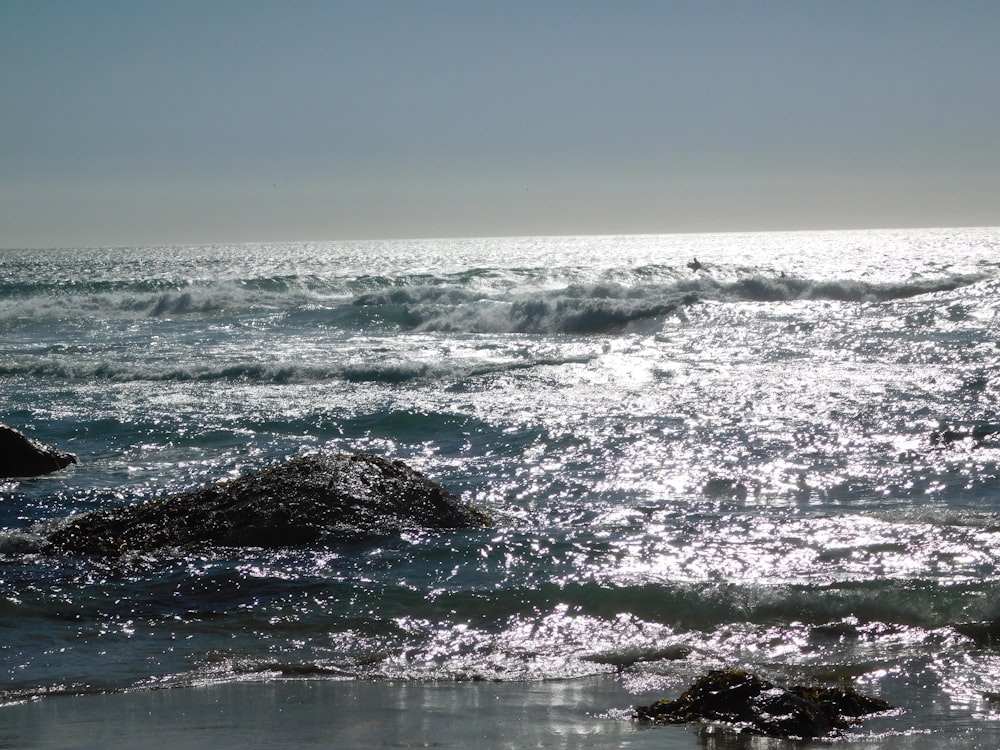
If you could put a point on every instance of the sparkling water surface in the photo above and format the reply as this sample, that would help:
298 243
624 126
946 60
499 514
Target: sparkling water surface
729 467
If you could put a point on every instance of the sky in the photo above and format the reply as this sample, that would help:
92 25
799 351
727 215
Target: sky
139 122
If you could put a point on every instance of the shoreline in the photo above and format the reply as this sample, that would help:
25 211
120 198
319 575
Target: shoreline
314 713
591 712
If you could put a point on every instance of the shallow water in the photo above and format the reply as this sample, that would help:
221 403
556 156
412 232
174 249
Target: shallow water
687 469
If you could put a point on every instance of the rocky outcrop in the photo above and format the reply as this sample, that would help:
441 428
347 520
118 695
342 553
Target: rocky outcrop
20 456
751 704
315 500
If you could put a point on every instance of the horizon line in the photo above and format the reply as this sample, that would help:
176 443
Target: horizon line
436 238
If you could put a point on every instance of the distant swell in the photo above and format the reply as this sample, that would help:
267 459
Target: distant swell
252 373
782 289
390 372
161 298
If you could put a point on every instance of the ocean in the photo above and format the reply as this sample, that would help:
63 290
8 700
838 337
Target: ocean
688 469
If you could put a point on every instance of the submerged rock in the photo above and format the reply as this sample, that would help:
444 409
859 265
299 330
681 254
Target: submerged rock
985 634
308 501
977 435
754 705
20 456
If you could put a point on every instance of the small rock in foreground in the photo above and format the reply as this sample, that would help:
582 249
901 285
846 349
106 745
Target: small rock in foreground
754 705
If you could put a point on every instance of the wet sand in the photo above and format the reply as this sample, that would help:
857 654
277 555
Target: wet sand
343 714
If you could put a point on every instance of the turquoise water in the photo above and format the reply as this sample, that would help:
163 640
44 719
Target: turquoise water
688 469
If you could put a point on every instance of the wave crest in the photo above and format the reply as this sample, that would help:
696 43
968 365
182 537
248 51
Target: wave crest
525 300
784 289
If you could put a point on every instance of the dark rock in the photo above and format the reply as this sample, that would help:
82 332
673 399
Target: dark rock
985 634
977 434
842 702
314 500
946 437
754 705
20 456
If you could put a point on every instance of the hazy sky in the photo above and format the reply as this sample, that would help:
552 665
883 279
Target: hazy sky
143 122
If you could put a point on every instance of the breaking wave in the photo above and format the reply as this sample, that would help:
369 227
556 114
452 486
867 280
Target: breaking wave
550 300
607 307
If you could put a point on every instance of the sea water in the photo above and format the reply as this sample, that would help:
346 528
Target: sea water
687 469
